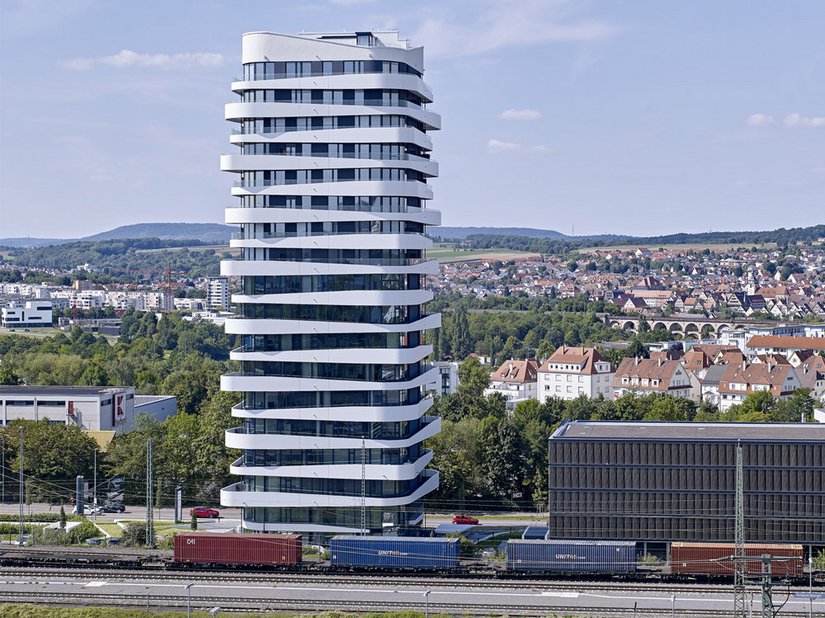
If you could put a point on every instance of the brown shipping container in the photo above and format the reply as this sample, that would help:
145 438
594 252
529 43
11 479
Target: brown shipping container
709 558
232 548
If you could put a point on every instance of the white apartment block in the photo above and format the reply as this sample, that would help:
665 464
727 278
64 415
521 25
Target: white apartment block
217 293
332 193
28 314
447 380
571 372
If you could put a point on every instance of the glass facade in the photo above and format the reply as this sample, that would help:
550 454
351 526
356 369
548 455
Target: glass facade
347 243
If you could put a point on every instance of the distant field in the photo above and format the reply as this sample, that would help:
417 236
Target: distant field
446 253
42 332
684 246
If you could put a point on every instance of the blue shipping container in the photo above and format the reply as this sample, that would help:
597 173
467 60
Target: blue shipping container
395 552
559 556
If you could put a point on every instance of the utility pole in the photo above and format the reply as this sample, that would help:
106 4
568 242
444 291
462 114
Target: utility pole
767 587
150 524
739 565
21 486
94 489
363 488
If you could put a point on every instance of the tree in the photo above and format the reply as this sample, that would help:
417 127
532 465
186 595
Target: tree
62 518
51 452
794 408
473 378
502 458
193 524
461 342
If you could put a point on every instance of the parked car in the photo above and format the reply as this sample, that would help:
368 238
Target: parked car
205 511
95 541
465 520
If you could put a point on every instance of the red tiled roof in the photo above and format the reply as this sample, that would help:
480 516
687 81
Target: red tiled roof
585 358
794 343
755 374
516 371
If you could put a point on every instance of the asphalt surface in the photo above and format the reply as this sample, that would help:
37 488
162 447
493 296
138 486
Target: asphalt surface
515 520
316 594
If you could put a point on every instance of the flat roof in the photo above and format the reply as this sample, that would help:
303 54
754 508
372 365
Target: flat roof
142 400
612 430
19 391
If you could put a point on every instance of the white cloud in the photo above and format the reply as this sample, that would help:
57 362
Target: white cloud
349 2
507 23
495 146
520 114
760 120
127 58
798 120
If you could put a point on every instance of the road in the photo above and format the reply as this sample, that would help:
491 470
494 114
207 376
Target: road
314 593
517 520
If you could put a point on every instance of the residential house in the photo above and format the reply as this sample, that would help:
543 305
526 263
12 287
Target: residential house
573 371
515 380
739 381
646 376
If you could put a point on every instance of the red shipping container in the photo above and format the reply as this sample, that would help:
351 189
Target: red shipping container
710 559
234 548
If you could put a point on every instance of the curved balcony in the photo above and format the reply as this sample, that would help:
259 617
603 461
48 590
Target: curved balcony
240 111
342 241
264 326
239 216
361 298
236 496
384 356
339 81
342 135
354 188
352 414
378 472
238 382
238 438
253 162
276 268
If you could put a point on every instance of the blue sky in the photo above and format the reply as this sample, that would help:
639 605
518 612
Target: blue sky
637 117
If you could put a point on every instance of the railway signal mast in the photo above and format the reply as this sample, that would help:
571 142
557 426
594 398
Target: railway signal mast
739 564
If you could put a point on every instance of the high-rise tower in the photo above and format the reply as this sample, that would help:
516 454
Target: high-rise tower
332 198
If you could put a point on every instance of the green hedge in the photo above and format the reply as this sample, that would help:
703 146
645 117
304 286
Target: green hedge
15 528
39 517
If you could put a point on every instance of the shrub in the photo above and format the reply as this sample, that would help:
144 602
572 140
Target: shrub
134 535
50 536
81 532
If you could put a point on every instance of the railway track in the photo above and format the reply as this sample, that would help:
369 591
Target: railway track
343 580
229 604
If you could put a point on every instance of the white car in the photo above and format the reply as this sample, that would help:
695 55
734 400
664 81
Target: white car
88 509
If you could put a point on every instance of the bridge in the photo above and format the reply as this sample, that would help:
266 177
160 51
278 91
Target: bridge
681 326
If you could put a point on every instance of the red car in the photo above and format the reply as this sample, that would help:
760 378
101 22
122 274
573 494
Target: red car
465 520
204 511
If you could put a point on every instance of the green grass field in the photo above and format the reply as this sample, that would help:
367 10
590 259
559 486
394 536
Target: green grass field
446 253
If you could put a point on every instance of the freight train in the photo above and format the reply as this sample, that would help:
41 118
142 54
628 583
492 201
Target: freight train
534 558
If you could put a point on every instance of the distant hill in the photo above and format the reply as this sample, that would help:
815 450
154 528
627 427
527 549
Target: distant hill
460 233
32 242
208 233
204 232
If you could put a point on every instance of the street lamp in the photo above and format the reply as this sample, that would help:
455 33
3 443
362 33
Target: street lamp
427 603
189 600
